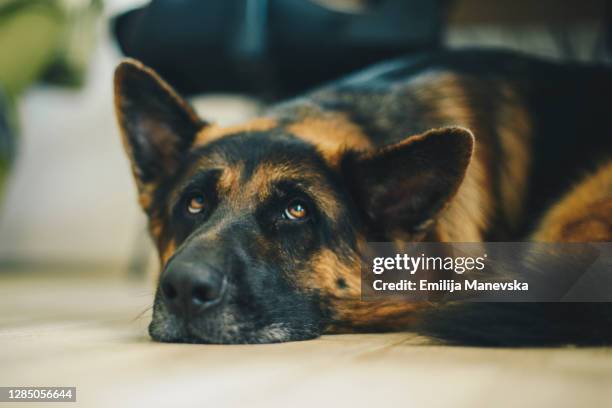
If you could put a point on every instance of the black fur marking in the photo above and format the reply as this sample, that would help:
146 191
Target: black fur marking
519 324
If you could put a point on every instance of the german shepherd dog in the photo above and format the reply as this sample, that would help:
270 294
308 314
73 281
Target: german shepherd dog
260 226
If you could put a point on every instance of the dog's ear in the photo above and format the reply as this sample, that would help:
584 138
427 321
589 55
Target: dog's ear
400 188
157 125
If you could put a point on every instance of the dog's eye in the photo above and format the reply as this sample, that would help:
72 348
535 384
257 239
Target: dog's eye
296 210
195 204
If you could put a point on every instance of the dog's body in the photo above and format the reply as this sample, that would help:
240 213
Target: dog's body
278 209
539 128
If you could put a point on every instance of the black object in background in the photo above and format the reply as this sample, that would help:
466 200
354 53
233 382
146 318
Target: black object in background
271 48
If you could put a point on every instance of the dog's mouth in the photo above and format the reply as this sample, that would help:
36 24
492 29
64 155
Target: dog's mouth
225 327
185 333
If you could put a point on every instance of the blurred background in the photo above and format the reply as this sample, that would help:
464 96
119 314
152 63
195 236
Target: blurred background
67 199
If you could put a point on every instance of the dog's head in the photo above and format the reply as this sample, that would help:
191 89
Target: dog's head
259 230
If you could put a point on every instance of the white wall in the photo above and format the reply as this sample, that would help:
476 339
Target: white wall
71 197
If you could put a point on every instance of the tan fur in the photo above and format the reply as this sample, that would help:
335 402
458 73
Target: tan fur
145 194
167 251
229 180
214 132
331 133
327 269
514 130
356 315
468 214
266 174
463 220
349 311
584 214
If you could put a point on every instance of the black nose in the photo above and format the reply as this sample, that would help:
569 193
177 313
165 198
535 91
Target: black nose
189 289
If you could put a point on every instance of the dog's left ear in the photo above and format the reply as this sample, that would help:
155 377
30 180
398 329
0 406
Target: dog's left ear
401 187
157 125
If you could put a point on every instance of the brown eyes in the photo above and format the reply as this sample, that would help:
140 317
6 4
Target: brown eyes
296 210
195 205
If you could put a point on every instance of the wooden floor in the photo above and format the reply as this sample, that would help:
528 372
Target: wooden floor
65 331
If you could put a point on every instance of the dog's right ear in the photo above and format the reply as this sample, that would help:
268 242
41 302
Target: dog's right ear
158 126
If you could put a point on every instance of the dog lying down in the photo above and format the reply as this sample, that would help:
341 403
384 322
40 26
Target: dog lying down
259 226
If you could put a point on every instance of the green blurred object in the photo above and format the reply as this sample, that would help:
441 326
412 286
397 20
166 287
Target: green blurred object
76 42
48 40
7 140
